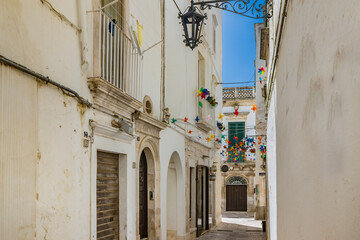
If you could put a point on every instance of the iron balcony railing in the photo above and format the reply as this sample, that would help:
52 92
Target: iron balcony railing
120 60
237 93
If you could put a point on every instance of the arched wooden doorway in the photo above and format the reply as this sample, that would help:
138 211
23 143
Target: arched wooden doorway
143 197
236 194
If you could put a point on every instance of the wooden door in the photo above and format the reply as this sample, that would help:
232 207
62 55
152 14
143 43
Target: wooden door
107 196
143 198
202 199
236 198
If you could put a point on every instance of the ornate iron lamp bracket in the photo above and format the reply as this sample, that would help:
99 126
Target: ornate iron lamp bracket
249 8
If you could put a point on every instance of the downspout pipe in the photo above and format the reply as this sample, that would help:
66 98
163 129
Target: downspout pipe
47 80
162 83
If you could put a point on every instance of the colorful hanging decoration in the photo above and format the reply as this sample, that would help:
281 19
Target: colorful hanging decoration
190 131
220 126
186 119
254 108
200 104
173 120
197 119
203 93
236 112
263 152
221 117
261 70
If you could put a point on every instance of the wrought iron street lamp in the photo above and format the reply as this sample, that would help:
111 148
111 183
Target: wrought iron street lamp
193 19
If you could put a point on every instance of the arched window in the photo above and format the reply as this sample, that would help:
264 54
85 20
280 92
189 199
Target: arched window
236 180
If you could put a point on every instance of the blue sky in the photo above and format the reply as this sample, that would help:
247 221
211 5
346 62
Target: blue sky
238 49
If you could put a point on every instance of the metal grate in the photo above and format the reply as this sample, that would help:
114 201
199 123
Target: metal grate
107 196
120 61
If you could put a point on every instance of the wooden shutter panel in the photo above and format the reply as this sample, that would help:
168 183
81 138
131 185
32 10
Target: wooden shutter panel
107 196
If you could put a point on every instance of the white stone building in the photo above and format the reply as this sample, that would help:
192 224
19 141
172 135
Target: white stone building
312 101
237 173
87 150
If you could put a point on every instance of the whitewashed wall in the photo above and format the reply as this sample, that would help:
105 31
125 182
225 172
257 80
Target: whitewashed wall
271 170
316 122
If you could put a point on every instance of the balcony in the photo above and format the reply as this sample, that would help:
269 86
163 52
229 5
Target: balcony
238 93
117 66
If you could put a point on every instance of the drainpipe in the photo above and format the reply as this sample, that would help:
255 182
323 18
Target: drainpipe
83 37
162 83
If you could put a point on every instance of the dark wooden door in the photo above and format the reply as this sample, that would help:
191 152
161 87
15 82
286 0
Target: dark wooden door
107 196
236 198
143 198
202 199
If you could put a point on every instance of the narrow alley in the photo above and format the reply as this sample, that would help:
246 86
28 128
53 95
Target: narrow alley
179 120
236 226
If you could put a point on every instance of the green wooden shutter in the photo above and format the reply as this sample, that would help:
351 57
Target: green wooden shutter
236 129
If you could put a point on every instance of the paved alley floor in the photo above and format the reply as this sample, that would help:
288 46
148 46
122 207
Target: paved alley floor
236 226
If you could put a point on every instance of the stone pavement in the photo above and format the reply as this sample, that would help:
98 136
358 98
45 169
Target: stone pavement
236 226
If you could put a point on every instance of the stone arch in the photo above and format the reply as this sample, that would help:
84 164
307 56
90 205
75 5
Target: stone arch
226 179
149 147
236 180
175 200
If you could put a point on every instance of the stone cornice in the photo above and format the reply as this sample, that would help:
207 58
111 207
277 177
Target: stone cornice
115 133
111 98
152 121
205 126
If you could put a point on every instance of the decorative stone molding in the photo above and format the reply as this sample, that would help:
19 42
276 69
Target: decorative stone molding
231 103
147 125
205 126
112 99
108 131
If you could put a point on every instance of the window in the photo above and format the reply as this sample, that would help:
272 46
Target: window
119 57
114 10
236 129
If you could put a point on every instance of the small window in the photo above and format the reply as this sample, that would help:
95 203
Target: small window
147 105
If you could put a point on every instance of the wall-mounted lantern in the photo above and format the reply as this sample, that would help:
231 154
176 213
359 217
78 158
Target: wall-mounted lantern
192 19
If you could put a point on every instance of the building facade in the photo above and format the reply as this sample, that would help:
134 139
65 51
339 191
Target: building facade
261 45
238 165
88 146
